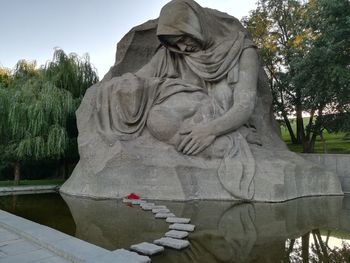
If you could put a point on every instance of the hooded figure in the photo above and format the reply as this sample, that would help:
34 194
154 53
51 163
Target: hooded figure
204 93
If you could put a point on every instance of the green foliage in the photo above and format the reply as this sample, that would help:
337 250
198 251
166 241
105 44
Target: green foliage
36 120
305 46
324 69
71 73
37 108
5 77
335 141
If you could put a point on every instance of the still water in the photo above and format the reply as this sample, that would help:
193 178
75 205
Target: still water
302 230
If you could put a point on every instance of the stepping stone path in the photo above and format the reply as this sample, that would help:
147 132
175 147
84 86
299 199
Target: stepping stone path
147 205
180 220
138 202
159 207
126 200
164 215
146 208
172 242
172 239
182 227
162 210
146 248
176 234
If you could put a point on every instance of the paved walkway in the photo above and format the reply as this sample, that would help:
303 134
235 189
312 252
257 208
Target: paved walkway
14 249
23 241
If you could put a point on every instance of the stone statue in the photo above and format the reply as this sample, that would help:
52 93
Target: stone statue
190 118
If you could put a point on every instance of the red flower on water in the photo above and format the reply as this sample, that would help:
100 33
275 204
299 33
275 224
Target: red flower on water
133 196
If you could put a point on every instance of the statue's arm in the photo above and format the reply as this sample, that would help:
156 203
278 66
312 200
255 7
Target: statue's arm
245 91
244 96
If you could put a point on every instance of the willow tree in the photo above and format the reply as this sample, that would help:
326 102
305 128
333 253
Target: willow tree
71 72
74 74
35 115
37 109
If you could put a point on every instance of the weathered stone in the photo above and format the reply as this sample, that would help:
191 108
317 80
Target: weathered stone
182 227
147 248
172 242
161 210
240 154
180 220
164 215
176 234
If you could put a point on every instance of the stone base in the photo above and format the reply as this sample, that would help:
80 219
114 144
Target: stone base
155 170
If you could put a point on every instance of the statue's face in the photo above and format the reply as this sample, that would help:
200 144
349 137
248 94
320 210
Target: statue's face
184 43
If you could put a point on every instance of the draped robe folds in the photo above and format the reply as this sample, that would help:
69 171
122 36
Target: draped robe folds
123 103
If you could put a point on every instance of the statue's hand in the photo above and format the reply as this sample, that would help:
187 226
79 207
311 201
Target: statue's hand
195 139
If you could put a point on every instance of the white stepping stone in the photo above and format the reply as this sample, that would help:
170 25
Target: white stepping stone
147 208
138 202
146 248
182 227
180 220
176 234
159 207
161 210
172 242
147 204
164 215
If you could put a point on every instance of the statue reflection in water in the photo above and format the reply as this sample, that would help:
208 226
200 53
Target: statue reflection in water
301 230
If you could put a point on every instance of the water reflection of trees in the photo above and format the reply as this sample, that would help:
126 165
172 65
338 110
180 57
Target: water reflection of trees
312 248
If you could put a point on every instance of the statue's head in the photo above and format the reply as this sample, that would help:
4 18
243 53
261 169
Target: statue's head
182 26
183 43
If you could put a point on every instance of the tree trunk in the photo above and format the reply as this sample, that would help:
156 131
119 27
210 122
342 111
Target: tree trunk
63 169
293 139
322 246
300 125
305 247
57 169
17 173
323 143
309 145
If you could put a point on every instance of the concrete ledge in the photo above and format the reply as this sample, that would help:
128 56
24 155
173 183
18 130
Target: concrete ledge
30 189
63 245
338 163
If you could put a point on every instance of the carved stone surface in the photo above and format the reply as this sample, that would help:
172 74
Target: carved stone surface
192 119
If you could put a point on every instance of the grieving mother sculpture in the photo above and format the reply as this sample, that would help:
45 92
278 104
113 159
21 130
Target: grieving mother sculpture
192 120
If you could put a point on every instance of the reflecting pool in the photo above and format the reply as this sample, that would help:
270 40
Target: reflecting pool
313 229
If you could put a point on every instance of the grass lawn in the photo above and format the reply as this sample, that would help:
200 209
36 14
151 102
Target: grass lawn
335 142
34 182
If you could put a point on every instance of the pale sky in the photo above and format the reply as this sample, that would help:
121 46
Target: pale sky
31 29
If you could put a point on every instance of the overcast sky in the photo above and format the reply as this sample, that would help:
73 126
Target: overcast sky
31 29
